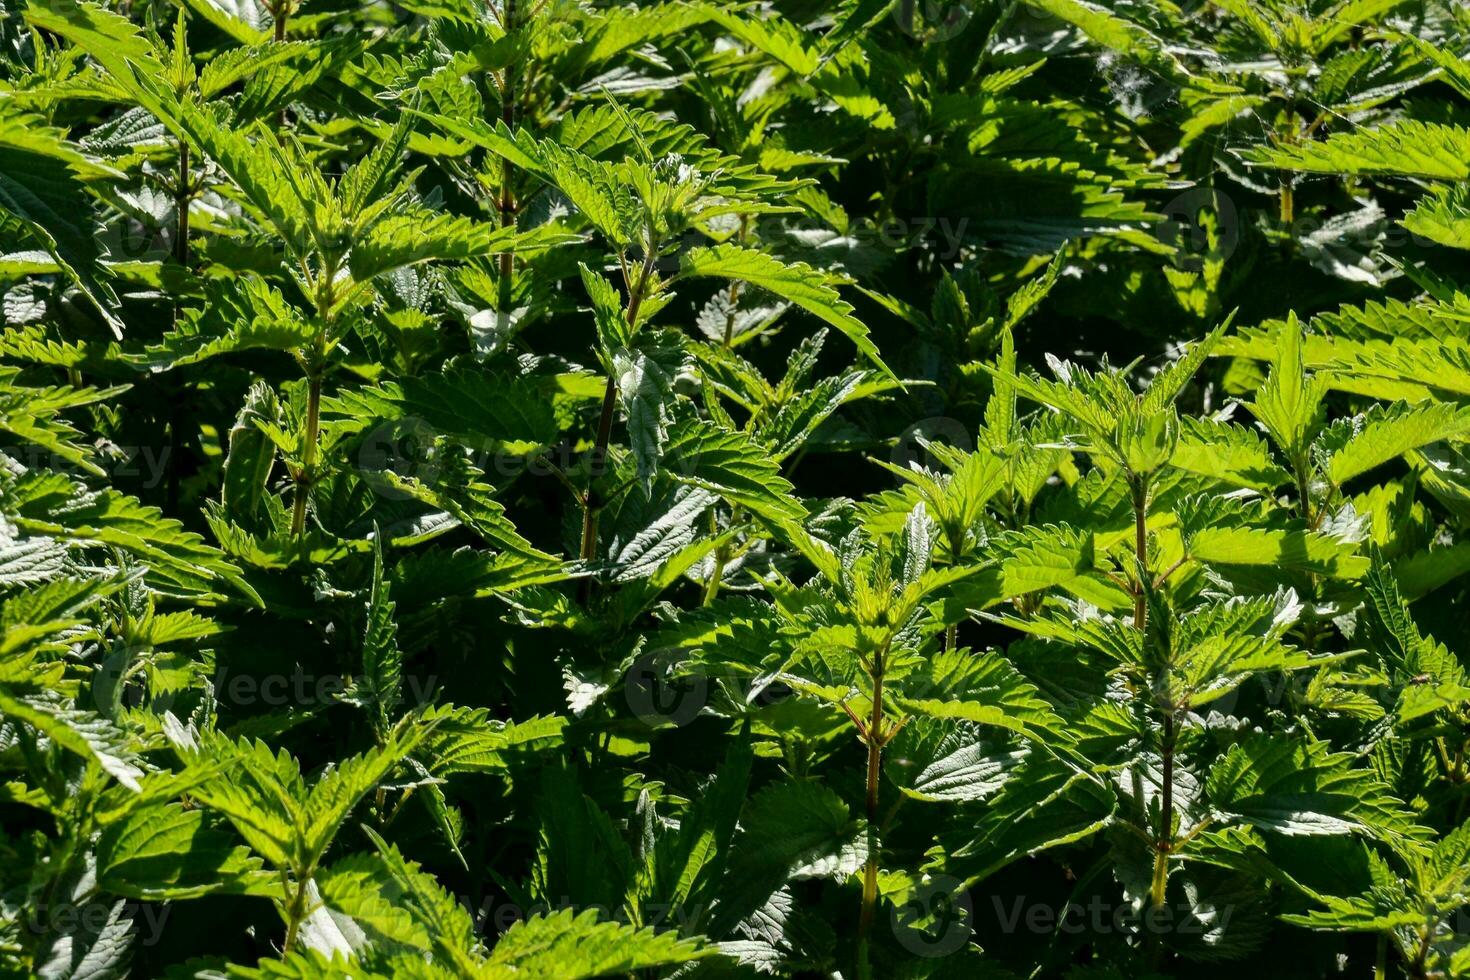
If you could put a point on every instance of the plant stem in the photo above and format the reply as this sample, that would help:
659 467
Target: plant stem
176 414
1165 841
308 453
734 294
712 587
722 557
875 757
734 297
1288 189
873 735
1140 551
181 207
506 203
1417 969
956 536
1304 494
590 502
295 912
280 14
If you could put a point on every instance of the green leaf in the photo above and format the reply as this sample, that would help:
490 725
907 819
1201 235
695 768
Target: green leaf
1442 216
242 314
1409 148
1045 804
260 792
33 415
645 392
77 731
948 764
570 825
246 21
45 194
1301 787
446 922
577 946
91 950
1230 453
792 829
1386 433
808 288
1165 387
177 560
469 740
334 795
361 887
1430 676
251 454
1114 32
1284 548
382 661
1289 403
730 464
613 330
168 853
406 239
484 410
983 688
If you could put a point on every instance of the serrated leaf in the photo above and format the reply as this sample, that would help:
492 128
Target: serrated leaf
806 287
166 853
731 465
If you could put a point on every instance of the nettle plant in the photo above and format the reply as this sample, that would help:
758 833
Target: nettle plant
691 489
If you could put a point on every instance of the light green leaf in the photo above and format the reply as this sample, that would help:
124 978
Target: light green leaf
808 288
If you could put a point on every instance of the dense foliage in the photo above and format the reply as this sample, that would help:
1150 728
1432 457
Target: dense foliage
708 489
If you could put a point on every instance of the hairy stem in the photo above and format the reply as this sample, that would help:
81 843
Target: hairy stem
1140 551
956 536
870 870
1288 188
1304 494
590 502
181 207
176 415
712 587
1419 969
295 912
734 293
308 453
506 203
1165 841
722 558
873 735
